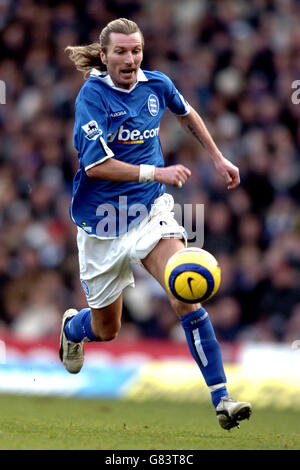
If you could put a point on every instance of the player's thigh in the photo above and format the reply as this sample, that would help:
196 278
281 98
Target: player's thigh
155 264
157 259
105 271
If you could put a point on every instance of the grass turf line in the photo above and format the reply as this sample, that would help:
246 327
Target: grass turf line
52 423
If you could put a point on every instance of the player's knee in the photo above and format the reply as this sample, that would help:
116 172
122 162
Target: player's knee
182 308
108 332
109 335
107 338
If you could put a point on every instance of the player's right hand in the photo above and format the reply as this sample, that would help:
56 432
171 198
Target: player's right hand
175 175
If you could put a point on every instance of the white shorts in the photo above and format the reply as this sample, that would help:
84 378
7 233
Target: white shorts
104 265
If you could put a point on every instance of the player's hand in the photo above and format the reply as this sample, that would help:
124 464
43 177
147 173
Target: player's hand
229 172
176 175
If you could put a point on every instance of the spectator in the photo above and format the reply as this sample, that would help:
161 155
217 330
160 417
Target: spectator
235 63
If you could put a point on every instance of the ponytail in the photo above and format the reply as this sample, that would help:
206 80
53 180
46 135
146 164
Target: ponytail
86 57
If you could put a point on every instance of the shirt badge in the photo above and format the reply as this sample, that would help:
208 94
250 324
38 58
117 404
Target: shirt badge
153 105
91 130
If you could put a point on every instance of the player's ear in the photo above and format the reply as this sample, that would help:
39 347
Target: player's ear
103 57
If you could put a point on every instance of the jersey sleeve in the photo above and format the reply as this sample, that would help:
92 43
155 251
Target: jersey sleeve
90 129
176 103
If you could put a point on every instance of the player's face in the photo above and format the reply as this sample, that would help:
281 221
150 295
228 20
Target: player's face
123 58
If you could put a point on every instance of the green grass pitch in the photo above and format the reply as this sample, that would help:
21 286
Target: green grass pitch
52 423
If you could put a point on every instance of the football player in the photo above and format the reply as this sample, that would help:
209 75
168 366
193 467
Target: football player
120 203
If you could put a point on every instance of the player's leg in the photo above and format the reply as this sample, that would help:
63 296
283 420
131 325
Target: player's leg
195 321
95 324
105 272
201 339
106 321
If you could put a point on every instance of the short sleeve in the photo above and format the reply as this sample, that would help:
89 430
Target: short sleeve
176 103
90 129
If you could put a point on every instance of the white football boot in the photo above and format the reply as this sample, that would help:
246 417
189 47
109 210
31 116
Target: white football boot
230 412
71 354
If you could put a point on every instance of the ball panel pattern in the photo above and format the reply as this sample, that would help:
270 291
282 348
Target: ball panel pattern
192 275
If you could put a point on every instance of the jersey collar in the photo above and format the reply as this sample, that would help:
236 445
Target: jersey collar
105 77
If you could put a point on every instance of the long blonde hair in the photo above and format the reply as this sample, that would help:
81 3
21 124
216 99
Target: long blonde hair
88 57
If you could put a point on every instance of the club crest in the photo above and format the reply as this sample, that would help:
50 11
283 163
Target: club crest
153 105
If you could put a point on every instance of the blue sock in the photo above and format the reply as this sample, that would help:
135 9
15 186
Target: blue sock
206 351
79 327
217 393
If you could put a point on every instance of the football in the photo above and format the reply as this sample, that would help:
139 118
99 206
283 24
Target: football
192 275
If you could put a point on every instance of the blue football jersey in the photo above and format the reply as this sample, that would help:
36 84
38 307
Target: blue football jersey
123 124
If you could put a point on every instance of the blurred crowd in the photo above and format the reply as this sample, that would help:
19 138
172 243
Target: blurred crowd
236 63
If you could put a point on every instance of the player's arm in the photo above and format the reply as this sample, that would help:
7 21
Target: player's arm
116 170
194 125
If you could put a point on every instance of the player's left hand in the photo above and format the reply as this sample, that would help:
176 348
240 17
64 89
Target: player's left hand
228 171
